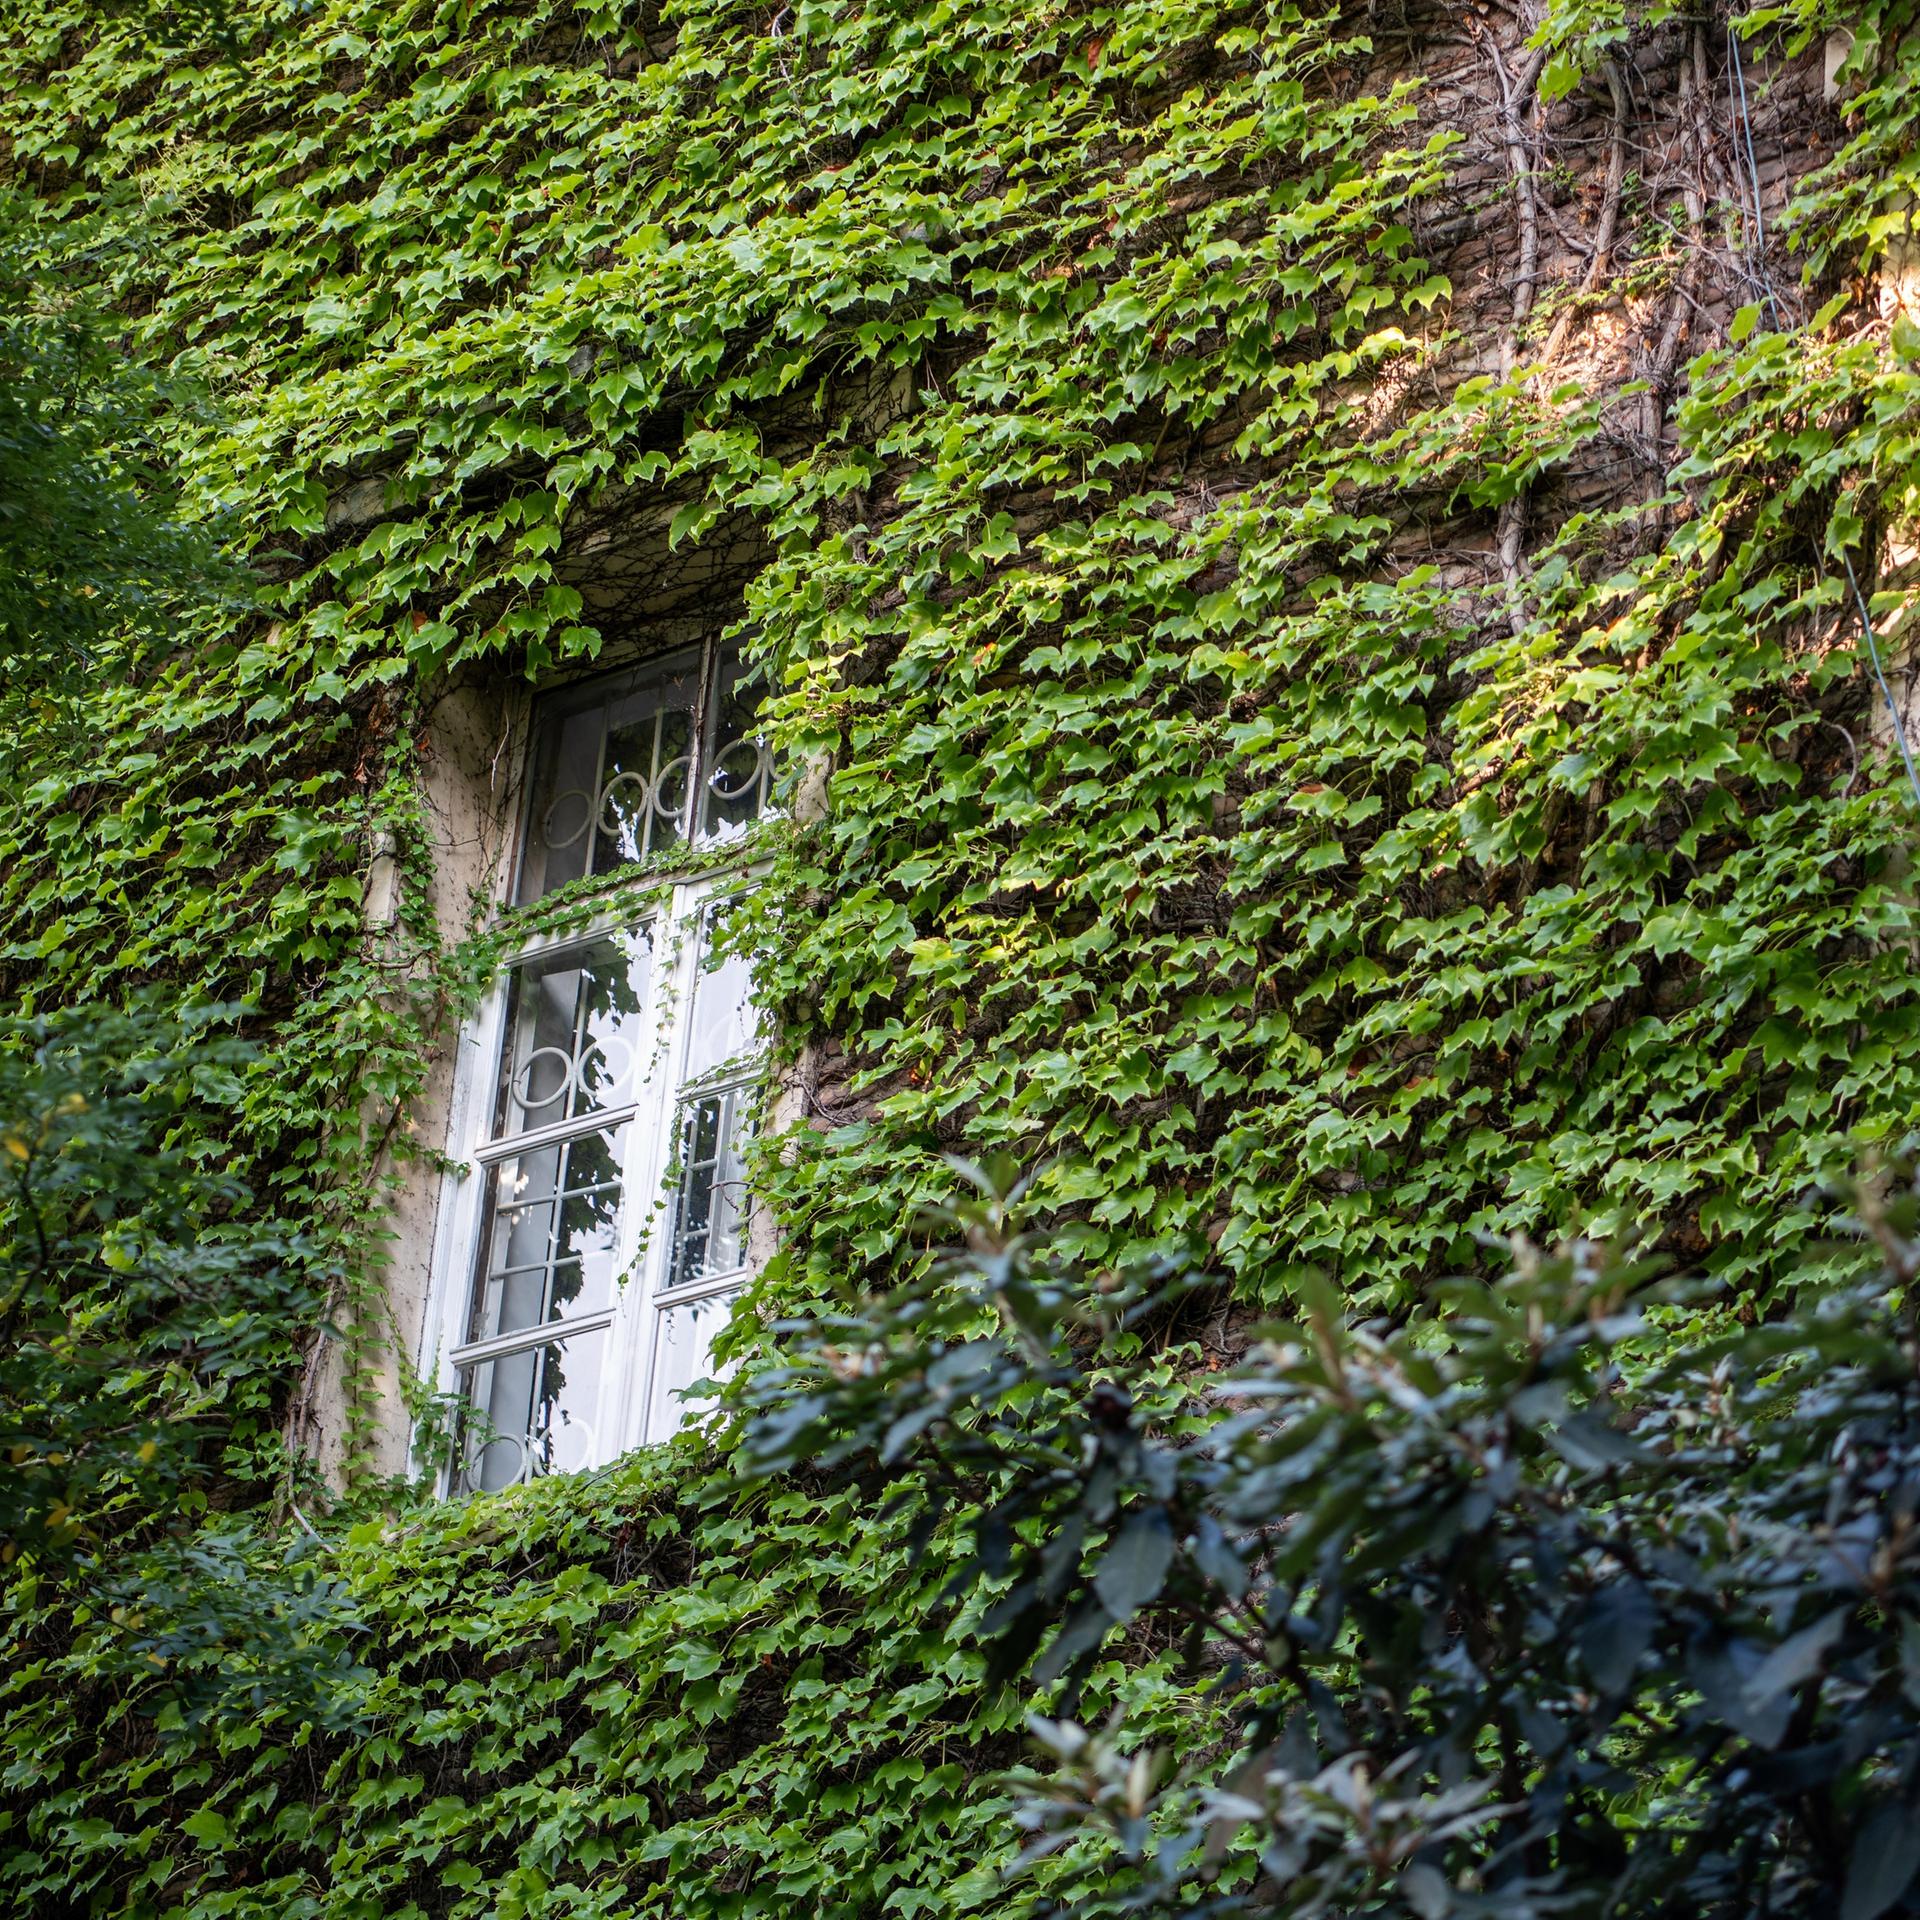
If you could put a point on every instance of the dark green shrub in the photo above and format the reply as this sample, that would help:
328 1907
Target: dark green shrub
1553 1598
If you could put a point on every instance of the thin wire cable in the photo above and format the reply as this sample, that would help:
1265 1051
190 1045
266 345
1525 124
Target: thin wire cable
1766 281
1753 175
1880 674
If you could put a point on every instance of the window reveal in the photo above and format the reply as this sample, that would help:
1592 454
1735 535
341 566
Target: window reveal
604 1222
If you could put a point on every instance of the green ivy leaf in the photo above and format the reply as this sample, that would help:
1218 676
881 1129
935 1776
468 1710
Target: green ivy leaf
206 1826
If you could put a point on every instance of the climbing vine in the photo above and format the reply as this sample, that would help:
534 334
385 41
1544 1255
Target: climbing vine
1306 556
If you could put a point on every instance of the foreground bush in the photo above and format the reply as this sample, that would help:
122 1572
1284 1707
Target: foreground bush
1551 1600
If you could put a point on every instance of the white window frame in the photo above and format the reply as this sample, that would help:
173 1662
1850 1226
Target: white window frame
633 1405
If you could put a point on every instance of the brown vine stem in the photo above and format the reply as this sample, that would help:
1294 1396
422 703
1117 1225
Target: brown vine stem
1516 91
1609 217
1673 333
1713 169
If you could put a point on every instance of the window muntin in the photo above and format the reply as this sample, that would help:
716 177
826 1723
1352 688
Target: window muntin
707 1217
709 1205
549 1235
606 1210
723 1030
682 1353
612 774
531 1412
575 1029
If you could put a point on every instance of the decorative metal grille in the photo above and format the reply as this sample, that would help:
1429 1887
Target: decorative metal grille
736 768
616 771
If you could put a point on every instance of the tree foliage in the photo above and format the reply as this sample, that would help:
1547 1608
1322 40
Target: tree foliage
145 1320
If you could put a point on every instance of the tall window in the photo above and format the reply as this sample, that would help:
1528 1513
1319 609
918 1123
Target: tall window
598 1234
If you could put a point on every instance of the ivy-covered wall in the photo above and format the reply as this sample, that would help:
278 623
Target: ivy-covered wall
1310 551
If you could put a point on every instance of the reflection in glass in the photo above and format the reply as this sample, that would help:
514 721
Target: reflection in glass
682 1350
736 769
548 1234
531 1412
709 1207
723 1026
613 773
574 1041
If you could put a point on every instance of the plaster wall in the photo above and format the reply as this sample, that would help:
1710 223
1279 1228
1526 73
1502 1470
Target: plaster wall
468 793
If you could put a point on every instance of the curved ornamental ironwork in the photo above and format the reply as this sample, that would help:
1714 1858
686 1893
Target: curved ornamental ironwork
667 754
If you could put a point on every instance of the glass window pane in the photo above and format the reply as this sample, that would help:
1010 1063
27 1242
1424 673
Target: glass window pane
722 1027
710 1194
737 769
549 1231
612 768
683 1353
574 1043
531 1413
